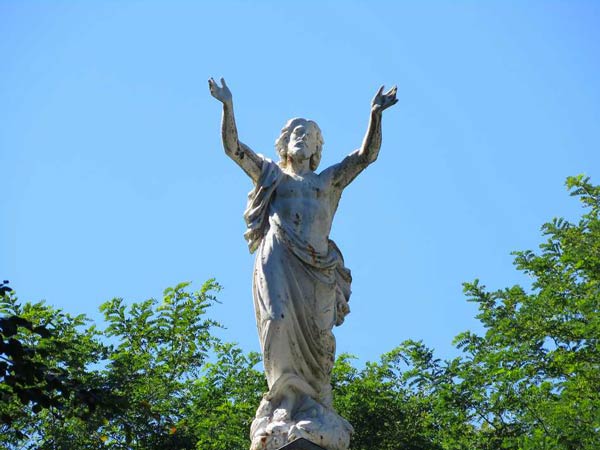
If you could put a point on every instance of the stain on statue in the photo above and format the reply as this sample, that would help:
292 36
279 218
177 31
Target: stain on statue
301 286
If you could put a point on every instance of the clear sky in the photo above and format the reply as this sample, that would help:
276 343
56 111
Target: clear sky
114 182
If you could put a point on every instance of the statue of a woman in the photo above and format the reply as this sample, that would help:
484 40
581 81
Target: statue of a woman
300 284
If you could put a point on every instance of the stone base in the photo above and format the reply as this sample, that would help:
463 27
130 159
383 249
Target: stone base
301 444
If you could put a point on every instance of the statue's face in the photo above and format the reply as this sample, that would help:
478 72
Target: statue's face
303 141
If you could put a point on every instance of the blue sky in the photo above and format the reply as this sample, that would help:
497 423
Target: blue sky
114 182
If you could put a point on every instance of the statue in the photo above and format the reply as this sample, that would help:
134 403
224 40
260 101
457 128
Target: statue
300 284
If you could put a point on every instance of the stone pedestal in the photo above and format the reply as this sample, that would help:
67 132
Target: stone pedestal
301 444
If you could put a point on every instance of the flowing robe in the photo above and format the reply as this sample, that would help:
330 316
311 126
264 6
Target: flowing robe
299 294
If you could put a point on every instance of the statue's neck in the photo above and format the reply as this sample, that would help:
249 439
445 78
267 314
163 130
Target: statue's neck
298 167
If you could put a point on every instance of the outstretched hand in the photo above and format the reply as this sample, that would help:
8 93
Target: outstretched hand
383 101
223 94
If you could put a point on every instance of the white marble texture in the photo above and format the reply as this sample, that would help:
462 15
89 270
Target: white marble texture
300 284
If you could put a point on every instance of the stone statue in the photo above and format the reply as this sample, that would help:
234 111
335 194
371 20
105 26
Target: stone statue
300 284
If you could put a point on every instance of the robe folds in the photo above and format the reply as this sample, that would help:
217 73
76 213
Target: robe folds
299 296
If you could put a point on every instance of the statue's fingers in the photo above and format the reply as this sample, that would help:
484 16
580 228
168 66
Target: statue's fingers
391 92
223 82
379 91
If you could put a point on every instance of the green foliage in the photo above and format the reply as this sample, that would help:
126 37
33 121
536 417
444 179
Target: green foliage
157 378
161 348
225 400
533 380
385 411
41 366
164 382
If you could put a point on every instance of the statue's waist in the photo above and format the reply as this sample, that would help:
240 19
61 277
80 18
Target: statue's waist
306 233
318 253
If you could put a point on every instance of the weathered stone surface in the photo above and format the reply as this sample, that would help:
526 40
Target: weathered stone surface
301 286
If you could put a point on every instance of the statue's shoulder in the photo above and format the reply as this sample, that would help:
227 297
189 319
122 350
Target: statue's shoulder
271 173
330 175
328 172
341 174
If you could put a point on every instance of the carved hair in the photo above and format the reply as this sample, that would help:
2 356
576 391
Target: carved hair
282 141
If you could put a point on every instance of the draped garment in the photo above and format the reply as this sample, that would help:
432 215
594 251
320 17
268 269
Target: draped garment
299 295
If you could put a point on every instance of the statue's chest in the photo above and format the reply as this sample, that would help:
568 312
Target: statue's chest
301 188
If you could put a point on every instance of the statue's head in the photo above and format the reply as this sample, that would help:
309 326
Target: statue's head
299 135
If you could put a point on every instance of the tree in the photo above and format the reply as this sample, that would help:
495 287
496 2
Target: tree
161 348
40 366
532 381
153 385
385 410
158 378
225 399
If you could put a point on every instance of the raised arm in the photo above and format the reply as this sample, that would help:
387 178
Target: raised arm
347 170
244 157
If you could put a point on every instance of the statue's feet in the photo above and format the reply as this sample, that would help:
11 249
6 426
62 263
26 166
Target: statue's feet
316 423
281 415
